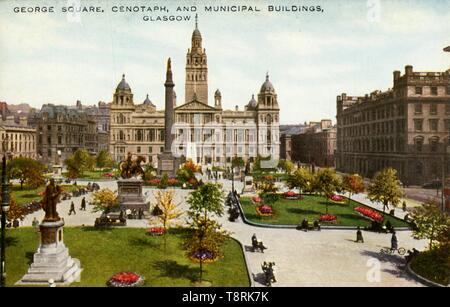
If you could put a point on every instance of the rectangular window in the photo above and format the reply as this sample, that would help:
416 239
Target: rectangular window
418 90
162 148
418 108
150 149
434 90
433 109
447 109
138 149
433 124
418 123
447 90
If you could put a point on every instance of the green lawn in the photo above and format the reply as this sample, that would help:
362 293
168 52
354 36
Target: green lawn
105 252
292 212
27 195
95 174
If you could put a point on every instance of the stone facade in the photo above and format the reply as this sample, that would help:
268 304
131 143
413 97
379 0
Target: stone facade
98 115
406 128
286 147
62 130
316 145
206 133
21 138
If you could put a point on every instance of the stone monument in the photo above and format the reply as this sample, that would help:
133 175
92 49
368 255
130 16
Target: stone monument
130 186
167 163
52 259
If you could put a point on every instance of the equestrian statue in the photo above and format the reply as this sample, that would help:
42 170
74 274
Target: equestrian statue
130 168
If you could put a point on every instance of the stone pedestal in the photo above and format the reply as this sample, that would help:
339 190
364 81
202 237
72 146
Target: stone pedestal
130 194
52 259
168 164
248 185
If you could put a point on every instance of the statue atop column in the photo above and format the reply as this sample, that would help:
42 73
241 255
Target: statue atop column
50 201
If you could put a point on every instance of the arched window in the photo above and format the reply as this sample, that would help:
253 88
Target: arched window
419 168
121 135
418 142
434 143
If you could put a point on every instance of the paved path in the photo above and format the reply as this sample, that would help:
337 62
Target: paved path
326 258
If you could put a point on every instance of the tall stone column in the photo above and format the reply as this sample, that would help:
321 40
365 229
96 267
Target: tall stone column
168 113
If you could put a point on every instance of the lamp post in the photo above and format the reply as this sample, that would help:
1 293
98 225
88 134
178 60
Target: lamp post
444 164
4 210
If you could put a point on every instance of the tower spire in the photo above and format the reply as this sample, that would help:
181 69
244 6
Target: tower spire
196 21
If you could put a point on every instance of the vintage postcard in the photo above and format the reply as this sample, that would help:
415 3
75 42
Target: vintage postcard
220 143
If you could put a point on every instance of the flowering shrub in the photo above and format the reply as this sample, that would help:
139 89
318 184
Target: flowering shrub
256 199
369 213
108 175
125 279
156 231
336 198
264 210
267 178
328 218
291 195
204 255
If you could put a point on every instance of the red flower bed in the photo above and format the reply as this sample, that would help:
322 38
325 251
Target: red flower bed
290 194
173 182
328 218
337 198
369 213
154 181
256 199
125 279
264 210
108 175
156 231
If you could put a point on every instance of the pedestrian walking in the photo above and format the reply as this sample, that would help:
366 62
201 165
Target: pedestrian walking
83 204
72 208
359 236
394 241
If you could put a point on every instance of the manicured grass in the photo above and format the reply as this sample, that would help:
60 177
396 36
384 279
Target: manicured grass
434 265
292 212
27 195
105 252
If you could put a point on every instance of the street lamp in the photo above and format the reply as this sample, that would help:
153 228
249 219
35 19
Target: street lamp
4 210
444 166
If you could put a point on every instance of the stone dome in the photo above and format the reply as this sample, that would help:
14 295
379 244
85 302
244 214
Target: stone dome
123 85
252 103
147 101
217 93
267 85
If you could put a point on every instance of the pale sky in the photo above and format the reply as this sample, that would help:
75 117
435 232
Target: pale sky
311 57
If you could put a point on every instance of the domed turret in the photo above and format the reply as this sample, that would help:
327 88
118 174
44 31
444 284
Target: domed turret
123 85
147 101
267 85
252 103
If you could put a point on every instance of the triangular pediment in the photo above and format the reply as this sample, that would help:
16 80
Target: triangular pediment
195 105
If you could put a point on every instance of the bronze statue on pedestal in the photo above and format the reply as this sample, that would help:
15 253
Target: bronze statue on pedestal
50 201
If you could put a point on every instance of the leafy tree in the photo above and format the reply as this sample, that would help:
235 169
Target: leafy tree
26 170
79 162
16 211
328 183
267 190
105 200
286 165
206 200
169 210
207 237
301 179
104 159
385 188
164 181
432 224
353 184
187 171
149 171
237 162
